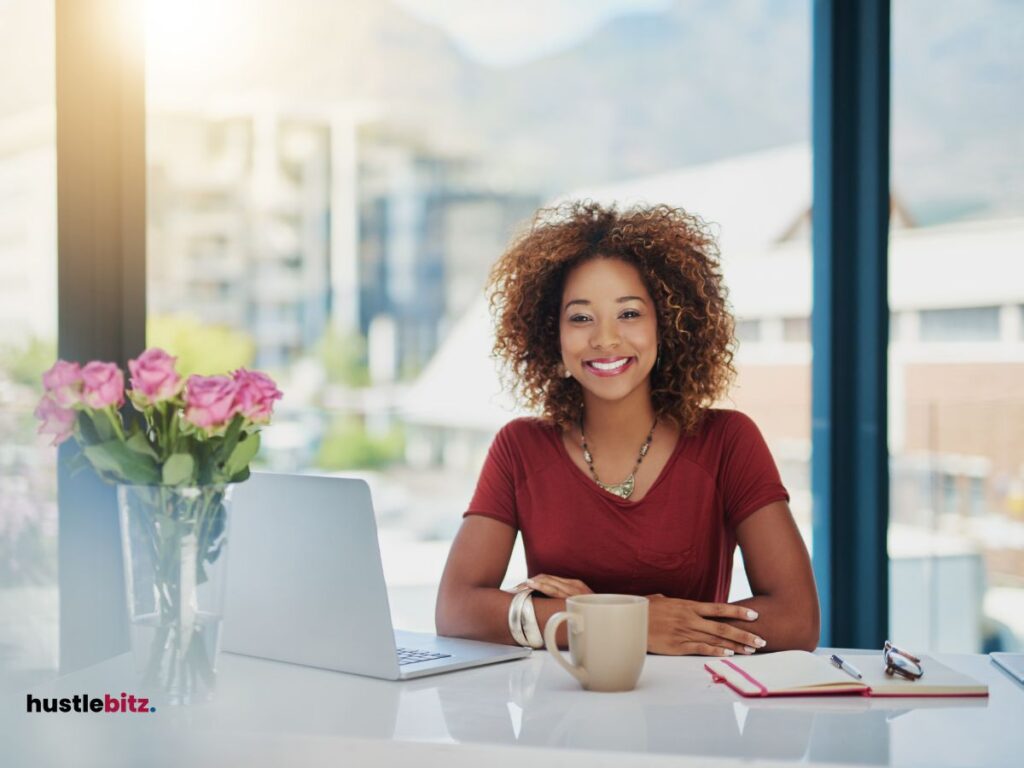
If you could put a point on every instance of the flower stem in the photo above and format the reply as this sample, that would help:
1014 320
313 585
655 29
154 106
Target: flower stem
115 420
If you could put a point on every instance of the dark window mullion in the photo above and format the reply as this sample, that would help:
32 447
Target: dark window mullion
101 286
850 479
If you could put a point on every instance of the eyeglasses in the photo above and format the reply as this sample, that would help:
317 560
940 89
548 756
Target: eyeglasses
899 662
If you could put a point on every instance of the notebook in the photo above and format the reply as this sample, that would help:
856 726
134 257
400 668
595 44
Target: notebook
799 673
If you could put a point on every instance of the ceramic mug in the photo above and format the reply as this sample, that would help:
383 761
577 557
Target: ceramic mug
607 640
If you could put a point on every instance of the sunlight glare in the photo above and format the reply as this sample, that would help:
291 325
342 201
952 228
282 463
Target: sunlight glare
185 32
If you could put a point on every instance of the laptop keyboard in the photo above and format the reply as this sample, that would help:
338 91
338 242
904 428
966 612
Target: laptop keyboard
412 656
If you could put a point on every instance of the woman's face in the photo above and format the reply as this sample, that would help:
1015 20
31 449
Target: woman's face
608 328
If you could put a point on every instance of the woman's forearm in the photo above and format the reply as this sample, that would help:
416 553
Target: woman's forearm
784 623
481 613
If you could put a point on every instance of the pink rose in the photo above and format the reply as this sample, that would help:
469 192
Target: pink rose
256 395
63 382
153 377
57 421
102 385
210 401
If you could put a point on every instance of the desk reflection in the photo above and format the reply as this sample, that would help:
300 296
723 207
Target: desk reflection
676 710
303 700
537 708
525 712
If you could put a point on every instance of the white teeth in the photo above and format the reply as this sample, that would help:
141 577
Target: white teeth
609 366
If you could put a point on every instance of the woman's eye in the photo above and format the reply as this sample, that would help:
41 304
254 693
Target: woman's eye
578 318
630 313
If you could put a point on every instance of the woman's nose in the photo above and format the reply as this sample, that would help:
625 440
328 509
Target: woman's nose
604 337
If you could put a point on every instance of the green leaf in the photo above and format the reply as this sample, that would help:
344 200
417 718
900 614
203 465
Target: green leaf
217 522
76 462
213 554
102 458
124 464
88 429
244 452
178 469
202 451
225 446
101 424
138 443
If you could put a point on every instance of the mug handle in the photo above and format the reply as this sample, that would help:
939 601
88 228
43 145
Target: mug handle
552 644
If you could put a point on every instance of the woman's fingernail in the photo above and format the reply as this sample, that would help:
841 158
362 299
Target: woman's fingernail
759 642
747 649
751 615
531 582
727 652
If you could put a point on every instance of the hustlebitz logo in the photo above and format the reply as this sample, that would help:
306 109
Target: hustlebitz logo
126 704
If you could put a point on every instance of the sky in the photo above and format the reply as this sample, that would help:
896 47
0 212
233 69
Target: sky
504 34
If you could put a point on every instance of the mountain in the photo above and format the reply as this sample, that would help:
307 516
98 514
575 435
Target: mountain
645 92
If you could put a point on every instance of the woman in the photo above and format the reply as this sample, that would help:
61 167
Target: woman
615 327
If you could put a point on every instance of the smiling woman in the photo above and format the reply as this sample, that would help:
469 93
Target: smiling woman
615 326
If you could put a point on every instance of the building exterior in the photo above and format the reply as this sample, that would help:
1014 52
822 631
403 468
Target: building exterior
281 221
239 224
427 237
28 226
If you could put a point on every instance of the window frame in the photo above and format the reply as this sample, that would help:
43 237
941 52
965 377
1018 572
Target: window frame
101 263
101 288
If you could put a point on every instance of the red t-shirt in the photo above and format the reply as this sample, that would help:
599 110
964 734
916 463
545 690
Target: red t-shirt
677 540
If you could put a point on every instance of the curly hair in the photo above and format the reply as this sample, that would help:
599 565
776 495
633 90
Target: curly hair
677 258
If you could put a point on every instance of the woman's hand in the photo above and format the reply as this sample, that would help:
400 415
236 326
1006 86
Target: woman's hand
674 627
556 586
680 627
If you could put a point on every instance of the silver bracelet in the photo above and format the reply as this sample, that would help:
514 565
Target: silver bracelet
515 617
530 627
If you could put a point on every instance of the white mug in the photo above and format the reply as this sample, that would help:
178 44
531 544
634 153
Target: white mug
607 640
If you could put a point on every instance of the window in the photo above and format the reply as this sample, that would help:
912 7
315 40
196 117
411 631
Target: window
796 329
973 324
28 330
748 330
956 408
356 207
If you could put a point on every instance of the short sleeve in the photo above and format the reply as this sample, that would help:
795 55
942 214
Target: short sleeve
495 494
749 477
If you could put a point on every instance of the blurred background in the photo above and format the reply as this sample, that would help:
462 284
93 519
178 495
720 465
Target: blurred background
329 183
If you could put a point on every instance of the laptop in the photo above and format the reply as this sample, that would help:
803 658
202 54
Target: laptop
1012 663
305 585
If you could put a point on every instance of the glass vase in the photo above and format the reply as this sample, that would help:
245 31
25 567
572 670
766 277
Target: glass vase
174 542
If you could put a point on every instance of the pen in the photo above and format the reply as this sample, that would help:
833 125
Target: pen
846 666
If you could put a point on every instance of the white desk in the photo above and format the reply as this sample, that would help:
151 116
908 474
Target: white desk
522 714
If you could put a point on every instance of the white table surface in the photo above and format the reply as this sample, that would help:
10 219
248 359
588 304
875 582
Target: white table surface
521 713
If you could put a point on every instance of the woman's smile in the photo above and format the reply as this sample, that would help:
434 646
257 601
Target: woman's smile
608 366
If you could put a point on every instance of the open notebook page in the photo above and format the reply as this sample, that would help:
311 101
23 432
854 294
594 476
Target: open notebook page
784 672
799 672
938 679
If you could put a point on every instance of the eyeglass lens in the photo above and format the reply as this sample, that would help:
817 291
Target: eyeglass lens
897 662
